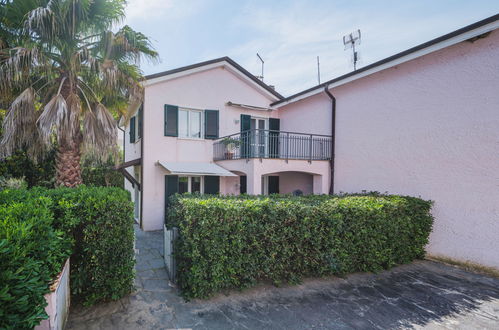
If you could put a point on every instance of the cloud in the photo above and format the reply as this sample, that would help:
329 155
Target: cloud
290 38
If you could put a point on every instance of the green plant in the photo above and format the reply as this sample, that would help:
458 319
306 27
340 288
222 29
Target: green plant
13 183
103 257
231 143
32 253
235 242
98 221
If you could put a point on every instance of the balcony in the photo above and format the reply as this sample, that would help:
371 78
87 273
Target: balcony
273 144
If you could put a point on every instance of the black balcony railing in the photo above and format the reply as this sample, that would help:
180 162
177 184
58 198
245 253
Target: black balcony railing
273 144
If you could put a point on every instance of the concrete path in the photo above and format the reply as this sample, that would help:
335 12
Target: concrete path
424 294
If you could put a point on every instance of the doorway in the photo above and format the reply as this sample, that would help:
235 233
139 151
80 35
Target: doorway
258 128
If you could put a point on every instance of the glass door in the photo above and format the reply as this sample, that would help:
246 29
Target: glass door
258 145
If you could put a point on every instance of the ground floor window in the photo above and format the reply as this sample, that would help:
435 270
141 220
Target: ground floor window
190 184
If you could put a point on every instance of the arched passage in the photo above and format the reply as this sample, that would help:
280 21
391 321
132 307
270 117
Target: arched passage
294 182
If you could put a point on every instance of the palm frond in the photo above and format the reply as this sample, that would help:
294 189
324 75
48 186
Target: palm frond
19 125
54 117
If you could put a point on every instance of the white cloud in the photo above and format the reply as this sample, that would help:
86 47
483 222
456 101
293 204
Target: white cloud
289 39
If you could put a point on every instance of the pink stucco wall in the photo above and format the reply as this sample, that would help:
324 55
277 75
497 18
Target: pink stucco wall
210 89
290 181
429 128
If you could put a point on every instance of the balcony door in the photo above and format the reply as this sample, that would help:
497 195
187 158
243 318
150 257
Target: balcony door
258 128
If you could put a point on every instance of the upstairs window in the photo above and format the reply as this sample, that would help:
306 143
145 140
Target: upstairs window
190 123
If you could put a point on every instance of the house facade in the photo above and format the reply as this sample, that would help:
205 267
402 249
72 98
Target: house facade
208 128
424 122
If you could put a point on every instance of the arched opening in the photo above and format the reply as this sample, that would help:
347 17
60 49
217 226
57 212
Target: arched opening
292 182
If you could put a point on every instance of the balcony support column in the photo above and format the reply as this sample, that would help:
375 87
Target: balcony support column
254 183
321 184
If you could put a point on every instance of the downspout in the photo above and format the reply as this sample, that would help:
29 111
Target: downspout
333 136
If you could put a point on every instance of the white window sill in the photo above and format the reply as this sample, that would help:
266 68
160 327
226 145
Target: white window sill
191 139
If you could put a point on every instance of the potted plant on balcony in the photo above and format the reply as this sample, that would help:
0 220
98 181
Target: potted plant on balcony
230 146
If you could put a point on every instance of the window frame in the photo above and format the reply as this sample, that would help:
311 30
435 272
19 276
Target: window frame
189 182
201 123
136 131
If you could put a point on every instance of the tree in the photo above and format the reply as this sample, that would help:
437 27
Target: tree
68 72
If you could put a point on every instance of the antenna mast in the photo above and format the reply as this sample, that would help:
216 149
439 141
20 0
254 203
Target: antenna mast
350 40
263 62
318 71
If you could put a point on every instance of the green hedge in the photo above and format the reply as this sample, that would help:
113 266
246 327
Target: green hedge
235 242
32 253
92 224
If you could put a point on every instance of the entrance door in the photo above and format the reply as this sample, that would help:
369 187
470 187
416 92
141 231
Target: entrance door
258 145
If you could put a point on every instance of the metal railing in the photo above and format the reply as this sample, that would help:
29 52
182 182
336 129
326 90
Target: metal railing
260 143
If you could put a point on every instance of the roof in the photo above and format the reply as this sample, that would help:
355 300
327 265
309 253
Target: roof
226 59
465 33
195 169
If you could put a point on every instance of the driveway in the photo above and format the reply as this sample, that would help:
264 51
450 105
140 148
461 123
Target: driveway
423 294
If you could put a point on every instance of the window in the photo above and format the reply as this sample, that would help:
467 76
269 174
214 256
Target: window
190 123
191 184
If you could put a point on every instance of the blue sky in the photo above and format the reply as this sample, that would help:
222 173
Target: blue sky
291 34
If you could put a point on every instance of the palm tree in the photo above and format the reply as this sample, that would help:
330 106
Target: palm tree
69 72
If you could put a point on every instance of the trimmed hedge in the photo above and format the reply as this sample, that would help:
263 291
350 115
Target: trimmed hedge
100 222
32 253
235 242
92 224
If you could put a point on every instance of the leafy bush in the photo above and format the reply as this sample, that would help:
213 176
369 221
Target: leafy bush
234 242
98 221
104 176
12 183
32 253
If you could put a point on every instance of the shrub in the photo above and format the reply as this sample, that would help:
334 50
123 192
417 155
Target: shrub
234 242
32 253
104 176
13 183
99 223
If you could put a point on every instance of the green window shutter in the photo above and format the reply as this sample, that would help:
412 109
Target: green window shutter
171 187
274 127
211 184
171 120
245 123
132 130
246 136
273 184
139 121
211 125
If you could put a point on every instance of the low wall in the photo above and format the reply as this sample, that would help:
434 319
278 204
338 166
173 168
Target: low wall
58 302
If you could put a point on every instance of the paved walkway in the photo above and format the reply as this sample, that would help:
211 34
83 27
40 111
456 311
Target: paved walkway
420 295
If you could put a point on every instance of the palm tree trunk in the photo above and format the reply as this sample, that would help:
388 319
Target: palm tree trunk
67 164
67 160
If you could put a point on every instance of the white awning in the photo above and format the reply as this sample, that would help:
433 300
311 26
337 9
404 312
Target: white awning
195 169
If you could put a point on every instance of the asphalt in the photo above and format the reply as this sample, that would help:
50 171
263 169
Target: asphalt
423 294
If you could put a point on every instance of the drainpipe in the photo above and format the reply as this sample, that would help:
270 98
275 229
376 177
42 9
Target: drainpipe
333 136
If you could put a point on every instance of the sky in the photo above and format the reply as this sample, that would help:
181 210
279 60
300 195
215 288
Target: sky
289 35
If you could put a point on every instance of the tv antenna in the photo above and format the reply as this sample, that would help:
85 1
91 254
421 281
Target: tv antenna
263 62
318 71
350 40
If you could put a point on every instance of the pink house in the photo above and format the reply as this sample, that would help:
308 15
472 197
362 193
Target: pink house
424 122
